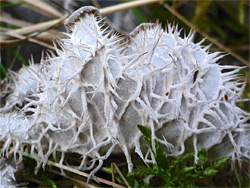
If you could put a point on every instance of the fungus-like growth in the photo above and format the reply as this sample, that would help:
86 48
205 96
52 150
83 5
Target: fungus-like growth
90 97
6 174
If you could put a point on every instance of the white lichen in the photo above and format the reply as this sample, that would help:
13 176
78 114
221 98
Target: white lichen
90 97
7 174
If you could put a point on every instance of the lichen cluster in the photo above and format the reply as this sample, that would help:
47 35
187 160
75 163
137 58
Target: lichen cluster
90 97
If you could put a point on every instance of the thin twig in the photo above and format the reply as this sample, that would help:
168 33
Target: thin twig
237 47
20 23
113 175
83 174
41 27
72 179
33 179
61 166
43 7
206 35
23 38
14 59
4 29
128 5
104 11
123 178
14 21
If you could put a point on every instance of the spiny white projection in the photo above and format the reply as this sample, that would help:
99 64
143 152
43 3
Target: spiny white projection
90 97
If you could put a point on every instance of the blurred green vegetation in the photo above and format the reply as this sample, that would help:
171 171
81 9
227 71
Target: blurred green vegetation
176 172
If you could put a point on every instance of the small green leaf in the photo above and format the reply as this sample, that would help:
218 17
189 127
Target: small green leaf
141 171
159 154
160 157
202 155
220 163
181 159
3 71
208 172
187 169
108 170
146 134
48 181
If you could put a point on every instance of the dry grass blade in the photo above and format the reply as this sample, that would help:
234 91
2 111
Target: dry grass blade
126 6
119 172
14 34
13 21
14 58
43 7
83 174
113 175
21 39
4 29
44 26
33 179
59 22
211 39
61 166
242 47
235 48
45 36
82 183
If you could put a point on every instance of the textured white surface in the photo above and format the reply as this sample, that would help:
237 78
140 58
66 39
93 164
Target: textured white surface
90 97
6 174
